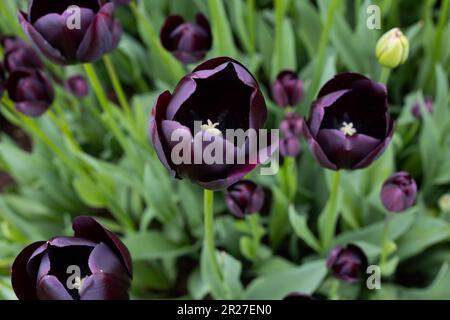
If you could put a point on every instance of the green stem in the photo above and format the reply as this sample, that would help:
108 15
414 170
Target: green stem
251 25
209 243
254 227
334 290
328 218
384 76
385 242
116 84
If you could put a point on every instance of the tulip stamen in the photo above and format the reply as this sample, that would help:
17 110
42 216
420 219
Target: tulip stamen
211 128
348 129
78 283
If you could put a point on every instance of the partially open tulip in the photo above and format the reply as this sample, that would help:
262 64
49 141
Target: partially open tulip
287 89
31 92
92 265
348 264
417 110
291 125
290 147
349 125
221 95
392 49
244 198
71 31
22 57
399 192
77 85
187 41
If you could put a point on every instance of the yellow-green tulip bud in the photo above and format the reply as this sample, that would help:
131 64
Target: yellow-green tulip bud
444 203
392 48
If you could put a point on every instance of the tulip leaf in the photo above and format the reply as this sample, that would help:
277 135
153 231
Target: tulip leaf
279 217
301 229
223 43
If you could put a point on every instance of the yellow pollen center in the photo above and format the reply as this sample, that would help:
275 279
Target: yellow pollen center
210 127
348 129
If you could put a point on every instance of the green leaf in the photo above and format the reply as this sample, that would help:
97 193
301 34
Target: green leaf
223 44
279 217
301 229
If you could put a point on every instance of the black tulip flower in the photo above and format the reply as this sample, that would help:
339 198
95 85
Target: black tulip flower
72 31
290 147
77 85
45 270
417 110
187 41
287 89
244 198
399 192
19 57
291 125
222 95
31 92
348 264
350 125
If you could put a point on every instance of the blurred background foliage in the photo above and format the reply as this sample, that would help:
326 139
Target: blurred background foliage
160 219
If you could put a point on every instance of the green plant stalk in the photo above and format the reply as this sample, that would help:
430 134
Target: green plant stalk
254 227
385 242
208 241
251 25
329 217
116 84
324 38
440 30
334 289
280 11
384 76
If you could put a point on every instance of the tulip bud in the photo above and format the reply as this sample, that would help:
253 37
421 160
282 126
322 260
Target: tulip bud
348 263
22 57
287 89
290 147
187 41
77 85
444 203
291 126
31 91
399 192
92 265
417 110
392 49
244 197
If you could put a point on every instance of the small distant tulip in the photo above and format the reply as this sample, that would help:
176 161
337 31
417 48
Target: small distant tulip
348 264
22 57
417 110
291 125
92 265
31 91
399 192
287 89
392 49
290 147
77 85
187 41
244 198
444 203
298 296
55 30
349 125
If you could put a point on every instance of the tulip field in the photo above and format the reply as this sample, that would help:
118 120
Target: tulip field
225 149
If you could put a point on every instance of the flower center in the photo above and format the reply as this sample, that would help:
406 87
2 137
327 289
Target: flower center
348 129
78 283
210 127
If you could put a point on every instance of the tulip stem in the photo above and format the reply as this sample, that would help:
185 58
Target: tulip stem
384 77
116 84
334 290
329 217
385 242
209 243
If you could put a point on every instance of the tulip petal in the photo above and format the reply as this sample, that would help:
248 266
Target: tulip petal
102 259
169 26
50 288
104 286
316 149
342 81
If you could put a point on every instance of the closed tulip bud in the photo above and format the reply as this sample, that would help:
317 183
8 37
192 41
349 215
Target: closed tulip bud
290 147
417 110
72 31
399 192
92 265
244 198
77 85
348 264
291 125
22 57
187 41
444 203
31 92
392 49
287 89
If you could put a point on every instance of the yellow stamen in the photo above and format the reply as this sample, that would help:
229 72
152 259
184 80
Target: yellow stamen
210 127
348 129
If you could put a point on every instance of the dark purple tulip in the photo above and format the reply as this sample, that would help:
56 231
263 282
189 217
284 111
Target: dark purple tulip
417 111
187 41
350 125
348 263
287 89
399 192
77 85
298 296
31 91
119 3
41 271
244 198
52 27
291 126
2 79
223 94
290 147
22 57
